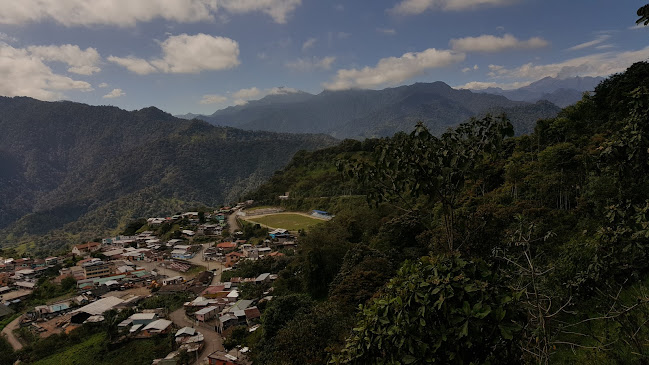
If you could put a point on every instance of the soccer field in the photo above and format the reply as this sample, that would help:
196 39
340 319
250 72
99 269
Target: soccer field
289 221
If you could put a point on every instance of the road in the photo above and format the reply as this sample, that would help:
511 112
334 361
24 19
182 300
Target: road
232 222
213 341
8 331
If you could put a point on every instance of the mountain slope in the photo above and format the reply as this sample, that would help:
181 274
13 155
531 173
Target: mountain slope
64 161
372 113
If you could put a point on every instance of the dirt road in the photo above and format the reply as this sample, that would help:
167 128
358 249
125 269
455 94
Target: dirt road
232 222
213 340
8 331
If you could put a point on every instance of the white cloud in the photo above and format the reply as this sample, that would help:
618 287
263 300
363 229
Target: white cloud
4 37
467 69
187 54
414 7
343 35
127 13
80 62
102 85
309 43
137 65
602 38
116 93
489 43
388 31
282 91
23 74
478 85
241 97
394 70
279 10
246 93
598 64
213 99
311 64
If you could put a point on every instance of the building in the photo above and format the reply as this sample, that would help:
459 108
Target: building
86 248
206 313
96 269
224 358
158 327
232 258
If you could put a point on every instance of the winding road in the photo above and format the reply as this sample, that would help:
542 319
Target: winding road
213 340
8 331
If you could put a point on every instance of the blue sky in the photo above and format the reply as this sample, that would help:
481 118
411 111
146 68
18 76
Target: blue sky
203 55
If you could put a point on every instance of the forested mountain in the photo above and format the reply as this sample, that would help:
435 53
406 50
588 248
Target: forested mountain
66 162
476 246
376 113
561 92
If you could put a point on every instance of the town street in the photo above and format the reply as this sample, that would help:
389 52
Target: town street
213 340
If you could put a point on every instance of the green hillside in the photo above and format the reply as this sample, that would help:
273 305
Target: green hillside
477 247
73 172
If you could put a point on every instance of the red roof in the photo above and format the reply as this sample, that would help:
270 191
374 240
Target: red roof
227 245
276 253
213 289
87 245
238 254
252 313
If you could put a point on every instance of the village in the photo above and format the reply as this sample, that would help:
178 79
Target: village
125 274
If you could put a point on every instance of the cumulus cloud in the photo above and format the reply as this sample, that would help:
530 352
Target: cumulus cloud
241 97
116 93
311 64
414 7
23 74
127 13
309 43
246 93
489 43
4 37
598 64
467 69
601 39
213 99
102 85
136 65
394 70
82 62
186 54
479 85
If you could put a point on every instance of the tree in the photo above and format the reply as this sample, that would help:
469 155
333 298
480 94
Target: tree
643 13
439 309
419 168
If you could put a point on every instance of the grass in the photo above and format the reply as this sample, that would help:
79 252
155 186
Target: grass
93 351
259 208
291 222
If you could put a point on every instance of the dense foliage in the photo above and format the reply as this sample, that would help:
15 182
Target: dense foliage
529 249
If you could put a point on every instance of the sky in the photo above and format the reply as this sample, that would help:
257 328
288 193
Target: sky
199 56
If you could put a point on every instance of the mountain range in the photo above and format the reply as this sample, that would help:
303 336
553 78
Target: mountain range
379 113
90 168
561 92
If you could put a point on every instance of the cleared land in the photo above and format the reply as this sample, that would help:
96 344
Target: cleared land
289 221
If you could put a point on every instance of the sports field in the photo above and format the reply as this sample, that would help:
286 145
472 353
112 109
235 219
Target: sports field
289 221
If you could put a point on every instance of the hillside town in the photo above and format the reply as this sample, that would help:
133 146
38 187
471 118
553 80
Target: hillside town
125 276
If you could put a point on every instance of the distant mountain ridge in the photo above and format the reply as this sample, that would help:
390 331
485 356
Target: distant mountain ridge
375 113
561 92
95 167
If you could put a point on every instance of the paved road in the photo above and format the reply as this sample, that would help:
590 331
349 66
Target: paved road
213 340
8 331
